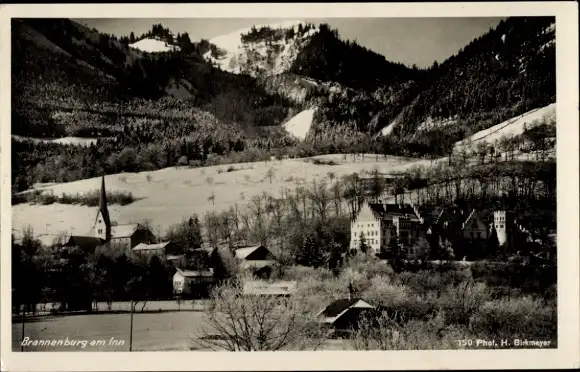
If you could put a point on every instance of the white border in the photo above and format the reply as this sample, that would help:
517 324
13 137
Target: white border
566 356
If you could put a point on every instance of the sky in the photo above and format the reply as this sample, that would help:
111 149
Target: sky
419 41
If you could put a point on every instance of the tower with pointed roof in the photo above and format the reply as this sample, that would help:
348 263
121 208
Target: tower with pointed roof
103 221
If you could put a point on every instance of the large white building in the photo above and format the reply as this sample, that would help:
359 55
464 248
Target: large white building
377 223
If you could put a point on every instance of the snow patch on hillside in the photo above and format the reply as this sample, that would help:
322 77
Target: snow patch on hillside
250 57
512 127
76 141
431 123
300 124
153 46
388 129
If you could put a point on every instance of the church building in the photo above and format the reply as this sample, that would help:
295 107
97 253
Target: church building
104 233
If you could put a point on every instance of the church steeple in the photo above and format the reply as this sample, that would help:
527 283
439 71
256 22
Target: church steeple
103 221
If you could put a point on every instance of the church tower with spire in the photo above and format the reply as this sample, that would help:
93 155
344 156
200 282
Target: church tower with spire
103 221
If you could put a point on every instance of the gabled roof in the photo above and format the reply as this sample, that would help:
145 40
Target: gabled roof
279 288
124 231
453 217
388 211
244 252
195 273
83 242
339 307
150 247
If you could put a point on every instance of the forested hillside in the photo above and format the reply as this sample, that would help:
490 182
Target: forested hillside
328 58
152 110
507 71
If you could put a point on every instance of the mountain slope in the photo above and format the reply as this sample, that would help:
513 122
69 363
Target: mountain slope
200 101
512 67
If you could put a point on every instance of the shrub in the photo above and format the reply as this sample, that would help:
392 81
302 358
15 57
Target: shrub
231 168
369 266
384 333
522 317
317 161
462 301
298 272
90 198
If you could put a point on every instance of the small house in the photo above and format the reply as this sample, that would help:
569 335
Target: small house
257 259
85 243
345 313
131 235
192 283
160 249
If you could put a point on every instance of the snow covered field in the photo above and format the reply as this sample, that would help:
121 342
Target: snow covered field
171 194
176 193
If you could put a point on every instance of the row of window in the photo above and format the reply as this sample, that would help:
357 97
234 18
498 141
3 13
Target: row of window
368 233
359 225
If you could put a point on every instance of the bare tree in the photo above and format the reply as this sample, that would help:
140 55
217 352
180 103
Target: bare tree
352 192
331 176
209 181
270 173
211 198
336 190
320 198
238 322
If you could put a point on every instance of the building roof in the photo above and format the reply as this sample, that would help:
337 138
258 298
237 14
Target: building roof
125 231
83 242
103 204
388 211
453 216
339 307
195 273
150 247
244 252
279 288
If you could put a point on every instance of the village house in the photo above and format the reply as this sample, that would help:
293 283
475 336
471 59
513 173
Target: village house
377 223
256 259
464 228
192 283
165 249
345 313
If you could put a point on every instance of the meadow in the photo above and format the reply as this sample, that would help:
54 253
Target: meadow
165 197
151 331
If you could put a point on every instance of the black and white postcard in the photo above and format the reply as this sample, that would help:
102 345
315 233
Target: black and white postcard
370 185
